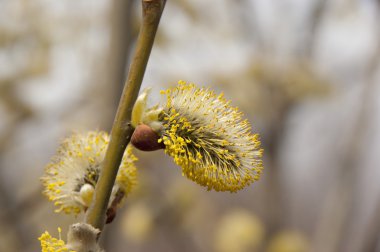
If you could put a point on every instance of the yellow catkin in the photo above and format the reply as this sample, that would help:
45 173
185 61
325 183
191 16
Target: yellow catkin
209 138
77 164
51 244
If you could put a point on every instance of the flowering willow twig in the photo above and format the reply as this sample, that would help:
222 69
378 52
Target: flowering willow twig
122 128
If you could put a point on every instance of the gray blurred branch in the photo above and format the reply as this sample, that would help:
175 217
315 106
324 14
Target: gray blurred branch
316 18
336 225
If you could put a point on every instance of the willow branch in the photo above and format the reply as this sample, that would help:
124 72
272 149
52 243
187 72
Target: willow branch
122 129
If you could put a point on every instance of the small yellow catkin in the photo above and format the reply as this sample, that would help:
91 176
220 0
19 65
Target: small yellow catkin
72 174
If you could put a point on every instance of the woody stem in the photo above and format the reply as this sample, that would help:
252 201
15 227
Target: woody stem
122 129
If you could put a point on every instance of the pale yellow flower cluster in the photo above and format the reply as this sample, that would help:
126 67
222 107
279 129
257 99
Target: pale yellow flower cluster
51 244
71 176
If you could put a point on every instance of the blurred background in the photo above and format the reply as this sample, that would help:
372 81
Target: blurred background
305 73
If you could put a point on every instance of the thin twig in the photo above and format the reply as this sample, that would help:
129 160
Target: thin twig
122 129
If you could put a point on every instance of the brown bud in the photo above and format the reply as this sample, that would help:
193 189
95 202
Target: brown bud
146 139
111 211
111 214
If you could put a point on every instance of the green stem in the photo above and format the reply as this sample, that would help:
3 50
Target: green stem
122 129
